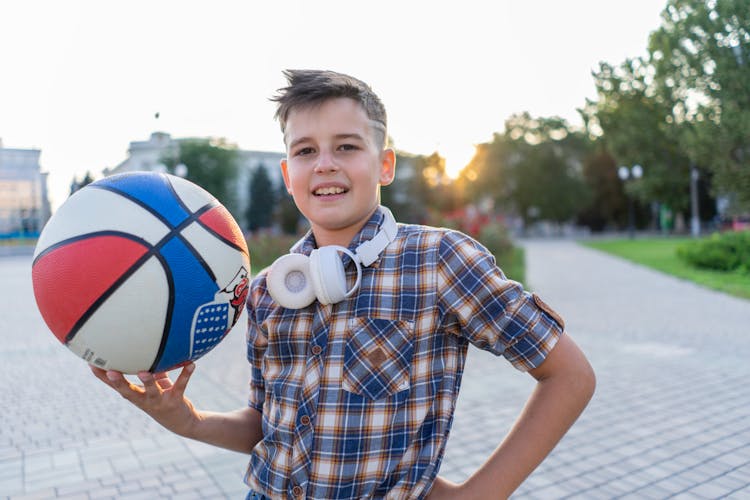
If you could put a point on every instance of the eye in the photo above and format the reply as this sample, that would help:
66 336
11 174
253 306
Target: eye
348 147
304 151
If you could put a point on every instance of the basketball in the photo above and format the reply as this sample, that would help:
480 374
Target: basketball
141 272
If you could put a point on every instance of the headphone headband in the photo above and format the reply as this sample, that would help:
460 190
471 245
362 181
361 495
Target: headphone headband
295 280
369 251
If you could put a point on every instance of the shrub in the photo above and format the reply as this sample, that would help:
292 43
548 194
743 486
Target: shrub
511 259
496 238
266 248
721 251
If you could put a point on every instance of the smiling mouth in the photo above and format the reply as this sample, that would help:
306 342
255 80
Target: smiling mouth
328 191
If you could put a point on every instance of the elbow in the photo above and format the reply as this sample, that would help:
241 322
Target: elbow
587 382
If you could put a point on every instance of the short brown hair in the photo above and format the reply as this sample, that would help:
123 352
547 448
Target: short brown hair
313 87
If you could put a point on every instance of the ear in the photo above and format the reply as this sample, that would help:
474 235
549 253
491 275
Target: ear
285 175
387 166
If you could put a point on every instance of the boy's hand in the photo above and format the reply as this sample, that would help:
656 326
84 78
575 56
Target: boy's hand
159 397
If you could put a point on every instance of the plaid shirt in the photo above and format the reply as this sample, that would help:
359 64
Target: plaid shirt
358 397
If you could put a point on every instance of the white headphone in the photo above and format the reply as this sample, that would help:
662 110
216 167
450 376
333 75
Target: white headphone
296 280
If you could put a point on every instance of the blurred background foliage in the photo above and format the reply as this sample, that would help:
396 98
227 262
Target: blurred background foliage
681 111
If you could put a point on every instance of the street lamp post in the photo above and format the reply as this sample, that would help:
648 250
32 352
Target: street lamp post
181 170
625 173
695 221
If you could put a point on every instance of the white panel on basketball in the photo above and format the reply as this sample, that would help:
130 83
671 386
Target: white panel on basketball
193 196
223 259
76 217
143 300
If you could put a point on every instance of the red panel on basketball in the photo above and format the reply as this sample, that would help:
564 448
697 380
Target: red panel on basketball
66 290
219 220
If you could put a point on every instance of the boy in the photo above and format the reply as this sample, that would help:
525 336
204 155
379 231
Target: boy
353 397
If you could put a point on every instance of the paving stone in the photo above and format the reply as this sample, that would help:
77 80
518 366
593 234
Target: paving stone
12 485
740 493
104 493
711 489
54 477
38 494
139 495
667 355
214 492
192 484
81 487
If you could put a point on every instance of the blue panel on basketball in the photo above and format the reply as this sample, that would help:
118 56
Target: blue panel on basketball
192 288
154 193
141 271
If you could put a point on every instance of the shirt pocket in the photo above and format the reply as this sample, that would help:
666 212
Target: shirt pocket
377 357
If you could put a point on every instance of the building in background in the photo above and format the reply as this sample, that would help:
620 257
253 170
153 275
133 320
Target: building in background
148 156
24 201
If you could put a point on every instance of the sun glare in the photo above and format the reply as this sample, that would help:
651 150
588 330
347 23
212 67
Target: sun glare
457 156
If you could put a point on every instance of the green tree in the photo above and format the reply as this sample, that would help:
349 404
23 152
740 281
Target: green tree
639 127
262 199
534 168
421 191
398 194
287 213
701 59
486 175
212 164
75 184
608 204
432 186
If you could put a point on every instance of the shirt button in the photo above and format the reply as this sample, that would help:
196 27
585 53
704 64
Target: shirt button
297 491
304 420
317 349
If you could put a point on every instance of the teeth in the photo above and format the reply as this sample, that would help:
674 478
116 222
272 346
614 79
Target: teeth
329 190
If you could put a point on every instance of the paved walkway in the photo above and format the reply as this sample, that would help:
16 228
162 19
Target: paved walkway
671 416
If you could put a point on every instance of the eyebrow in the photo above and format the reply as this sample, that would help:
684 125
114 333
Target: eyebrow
337 136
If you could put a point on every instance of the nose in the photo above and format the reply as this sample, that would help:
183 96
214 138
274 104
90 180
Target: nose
325 163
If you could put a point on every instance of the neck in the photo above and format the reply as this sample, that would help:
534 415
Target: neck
342 237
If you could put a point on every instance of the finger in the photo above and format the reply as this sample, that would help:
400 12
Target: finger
163 381
181 383
121 385
149 384
100 374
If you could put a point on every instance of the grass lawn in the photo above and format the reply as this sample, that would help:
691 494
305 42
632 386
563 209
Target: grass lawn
513 264
14 242
660 254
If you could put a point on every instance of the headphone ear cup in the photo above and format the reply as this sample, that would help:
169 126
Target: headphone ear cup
289 282
327 273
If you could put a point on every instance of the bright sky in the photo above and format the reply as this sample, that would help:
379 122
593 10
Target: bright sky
82 78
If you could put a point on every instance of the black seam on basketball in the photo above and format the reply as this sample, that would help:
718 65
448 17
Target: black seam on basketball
168 319
203 209
151 210
223 239
107 293
177 196
79 237
194 218
198 257
154 250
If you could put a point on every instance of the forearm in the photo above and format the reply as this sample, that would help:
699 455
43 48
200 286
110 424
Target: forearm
238 430
544 421
556 402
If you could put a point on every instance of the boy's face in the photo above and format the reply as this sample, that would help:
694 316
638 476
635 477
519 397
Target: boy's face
334 168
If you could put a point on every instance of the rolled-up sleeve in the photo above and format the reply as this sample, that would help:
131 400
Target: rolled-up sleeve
494 313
